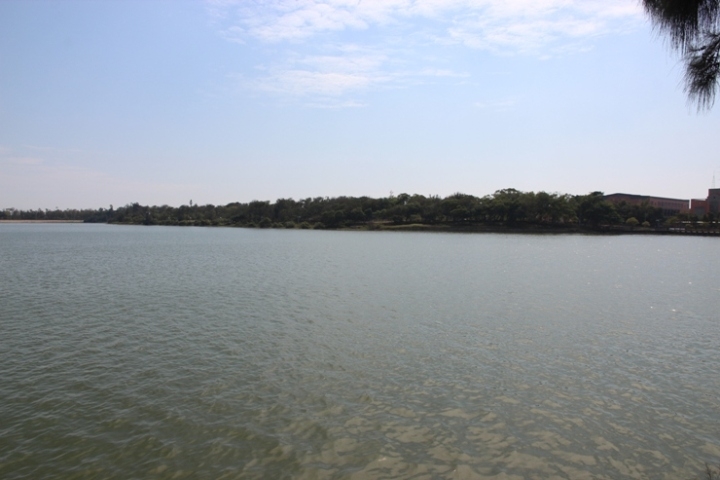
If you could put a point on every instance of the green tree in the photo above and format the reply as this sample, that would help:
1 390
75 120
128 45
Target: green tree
356 215
506 205
693 27
593 209
257 210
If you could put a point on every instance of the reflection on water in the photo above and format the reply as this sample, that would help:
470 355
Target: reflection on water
229 353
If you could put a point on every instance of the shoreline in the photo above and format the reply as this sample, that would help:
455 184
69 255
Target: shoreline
41 221
478 228
446 228
536 229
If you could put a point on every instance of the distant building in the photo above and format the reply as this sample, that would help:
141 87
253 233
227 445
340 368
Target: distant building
669 206
711 204
713 200
698 207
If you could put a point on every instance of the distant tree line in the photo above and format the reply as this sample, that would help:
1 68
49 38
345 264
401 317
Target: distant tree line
46 214
508 207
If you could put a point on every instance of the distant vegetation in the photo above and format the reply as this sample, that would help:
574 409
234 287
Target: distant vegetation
505 208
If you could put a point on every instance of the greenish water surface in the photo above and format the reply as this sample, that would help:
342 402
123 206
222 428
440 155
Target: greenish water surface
160 352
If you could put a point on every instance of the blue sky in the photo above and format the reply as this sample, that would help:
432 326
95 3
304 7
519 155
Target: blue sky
160 102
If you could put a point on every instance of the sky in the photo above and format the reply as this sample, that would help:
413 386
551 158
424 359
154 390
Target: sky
217 101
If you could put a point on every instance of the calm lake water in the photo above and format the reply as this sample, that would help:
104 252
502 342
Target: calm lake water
152 352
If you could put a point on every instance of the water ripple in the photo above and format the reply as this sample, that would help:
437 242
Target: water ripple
227 353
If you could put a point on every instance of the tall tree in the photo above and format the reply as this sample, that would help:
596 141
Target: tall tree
693 27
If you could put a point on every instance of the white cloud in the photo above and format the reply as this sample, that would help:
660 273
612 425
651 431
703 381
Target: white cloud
489 24
389 38
441 72
538 27
349 71
501 105
335 104
325 76
304 82
299 19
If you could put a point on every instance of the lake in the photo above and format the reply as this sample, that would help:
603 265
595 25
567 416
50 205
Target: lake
166 352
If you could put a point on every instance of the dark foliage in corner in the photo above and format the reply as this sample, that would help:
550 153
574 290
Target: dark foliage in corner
693 28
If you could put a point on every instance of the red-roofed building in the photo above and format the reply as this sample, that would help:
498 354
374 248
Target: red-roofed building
669 206
711 204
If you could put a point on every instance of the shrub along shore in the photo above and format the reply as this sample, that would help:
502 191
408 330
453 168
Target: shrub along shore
507 210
